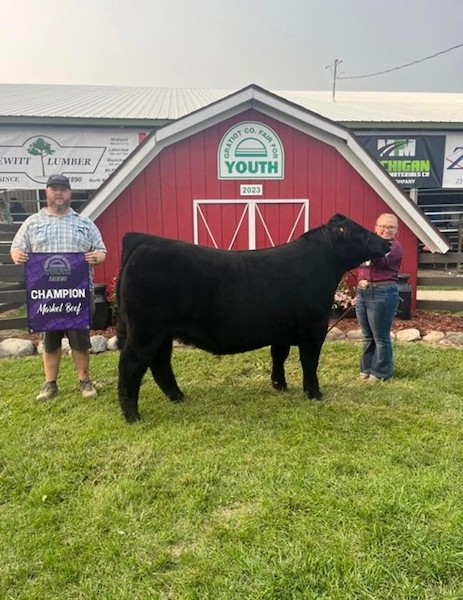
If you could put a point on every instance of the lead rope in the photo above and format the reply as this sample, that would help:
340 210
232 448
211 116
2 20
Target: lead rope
344 314
348 309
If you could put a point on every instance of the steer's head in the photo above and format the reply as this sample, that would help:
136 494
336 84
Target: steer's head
353 243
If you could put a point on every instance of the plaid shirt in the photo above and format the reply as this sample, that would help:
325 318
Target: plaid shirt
43 232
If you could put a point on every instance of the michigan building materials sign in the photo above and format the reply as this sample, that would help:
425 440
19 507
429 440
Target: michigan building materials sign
413 161
88 157
251 150
58 291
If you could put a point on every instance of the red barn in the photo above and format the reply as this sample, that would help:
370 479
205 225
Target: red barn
250 171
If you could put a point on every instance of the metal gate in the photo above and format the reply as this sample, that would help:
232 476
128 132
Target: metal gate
249 223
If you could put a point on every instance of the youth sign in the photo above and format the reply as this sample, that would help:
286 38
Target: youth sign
58 292
251 150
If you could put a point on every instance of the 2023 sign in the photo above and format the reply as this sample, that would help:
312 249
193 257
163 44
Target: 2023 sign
252 190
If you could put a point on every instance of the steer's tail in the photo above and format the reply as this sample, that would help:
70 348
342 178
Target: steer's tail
130 242
121 329
121 332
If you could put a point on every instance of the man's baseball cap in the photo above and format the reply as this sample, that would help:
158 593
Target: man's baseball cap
58 180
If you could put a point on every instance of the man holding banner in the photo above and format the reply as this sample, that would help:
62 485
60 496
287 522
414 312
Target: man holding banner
60 249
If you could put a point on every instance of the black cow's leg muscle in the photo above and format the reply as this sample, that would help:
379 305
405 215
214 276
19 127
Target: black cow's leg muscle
309 354
161 368
132 367
279 355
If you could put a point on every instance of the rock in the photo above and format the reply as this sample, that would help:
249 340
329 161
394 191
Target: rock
408 335
99 344
65 347
16 348
447 343
112 343
335 334
455 337
433 337
354 334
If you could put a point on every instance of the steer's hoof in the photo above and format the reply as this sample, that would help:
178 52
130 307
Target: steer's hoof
314 395
281 387
132 417
177 398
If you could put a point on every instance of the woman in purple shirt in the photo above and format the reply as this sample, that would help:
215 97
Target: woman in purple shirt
377 302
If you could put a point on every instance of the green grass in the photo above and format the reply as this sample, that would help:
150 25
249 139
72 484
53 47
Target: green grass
240 492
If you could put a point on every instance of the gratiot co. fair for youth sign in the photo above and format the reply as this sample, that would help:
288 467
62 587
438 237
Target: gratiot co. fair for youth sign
251 150
58 291
88 157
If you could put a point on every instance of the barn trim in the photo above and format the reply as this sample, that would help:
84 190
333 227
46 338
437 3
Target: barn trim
293 115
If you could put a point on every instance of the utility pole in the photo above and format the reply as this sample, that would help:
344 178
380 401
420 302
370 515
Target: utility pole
334 70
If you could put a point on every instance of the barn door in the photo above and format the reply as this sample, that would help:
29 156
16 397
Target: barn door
248 223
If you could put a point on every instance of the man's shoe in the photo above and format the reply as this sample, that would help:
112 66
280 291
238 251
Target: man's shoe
88 390
364 376
49 390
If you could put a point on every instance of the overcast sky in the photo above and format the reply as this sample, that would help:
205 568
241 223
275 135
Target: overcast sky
278 44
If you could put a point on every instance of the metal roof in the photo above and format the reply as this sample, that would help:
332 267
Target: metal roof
382 107
22 102
102 102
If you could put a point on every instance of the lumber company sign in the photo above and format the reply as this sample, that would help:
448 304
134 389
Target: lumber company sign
87 156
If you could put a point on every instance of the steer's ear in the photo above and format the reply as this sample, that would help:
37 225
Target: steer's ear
337 220
339 227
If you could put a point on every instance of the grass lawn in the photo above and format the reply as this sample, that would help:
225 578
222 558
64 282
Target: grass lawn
241 492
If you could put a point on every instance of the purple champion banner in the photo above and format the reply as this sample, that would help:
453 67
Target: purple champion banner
58 291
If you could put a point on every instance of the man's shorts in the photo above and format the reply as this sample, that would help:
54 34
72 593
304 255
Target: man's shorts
78 340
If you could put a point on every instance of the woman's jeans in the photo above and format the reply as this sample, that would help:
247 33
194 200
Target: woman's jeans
375 309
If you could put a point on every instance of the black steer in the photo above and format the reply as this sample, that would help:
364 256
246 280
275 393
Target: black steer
231 301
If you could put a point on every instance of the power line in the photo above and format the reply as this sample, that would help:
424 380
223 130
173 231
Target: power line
402 66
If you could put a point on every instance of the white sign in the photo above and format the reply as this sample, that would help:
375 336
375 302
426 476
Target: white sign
88 157
254 189
453 161
251 150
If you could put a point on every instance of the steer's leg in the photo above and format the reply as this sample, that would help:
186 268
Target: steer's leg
132 367
161 368
309 354
279 355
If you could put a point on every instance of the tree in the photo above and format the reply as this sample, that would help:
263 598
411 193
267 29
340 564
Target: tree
41 148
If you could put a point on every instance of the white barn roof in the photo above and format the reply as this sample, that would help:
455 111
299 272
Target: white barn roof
293 115
28 103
